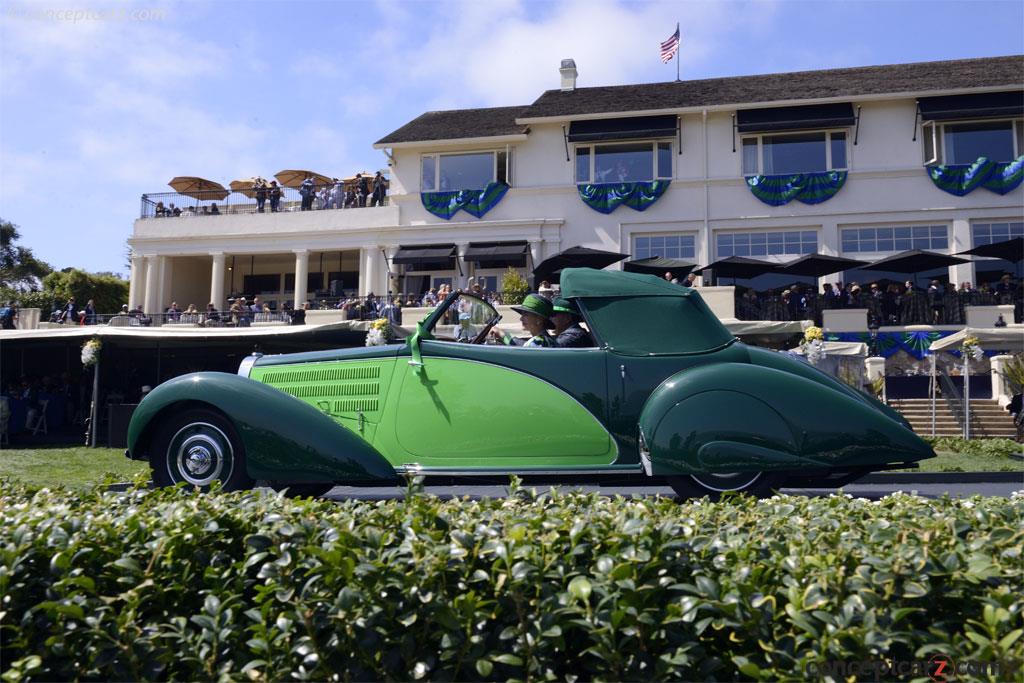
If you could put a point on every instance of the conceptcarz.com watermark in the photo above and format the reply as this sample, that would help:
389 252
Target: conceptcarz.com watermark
938 668
74 15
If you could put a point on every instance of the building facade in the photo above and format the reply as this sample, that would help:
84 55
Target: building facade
861 163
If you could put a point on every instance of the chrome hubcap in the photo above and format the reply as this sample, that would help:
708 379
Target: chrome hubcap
200 453
727 481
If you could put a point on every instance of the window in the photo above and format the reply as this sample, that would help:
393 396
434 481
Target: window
628 162
788 153
990 233
776 243
464 171
929 237
964 142
665 246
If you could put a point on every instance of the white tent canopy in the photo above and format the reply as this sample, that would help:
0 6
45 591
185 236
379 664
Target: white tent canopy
993 338
837 348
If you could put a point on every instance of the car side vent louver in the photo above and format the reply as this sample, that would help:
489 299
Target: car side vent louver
316 391
323 374
351 405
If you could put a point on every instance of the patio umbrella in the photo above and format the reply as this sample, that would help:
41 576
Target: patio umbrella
817 265
575 257
915 261
199 188
658 265
244 186
740 267
293 178
1009 250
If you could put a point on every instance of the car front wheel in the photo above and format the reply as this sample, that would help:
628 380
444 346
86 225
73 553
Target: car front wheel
199 447
714 485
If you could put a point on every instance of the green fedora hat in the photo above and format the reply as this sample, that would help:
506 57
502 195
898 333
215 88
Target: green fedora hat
537 305
560 305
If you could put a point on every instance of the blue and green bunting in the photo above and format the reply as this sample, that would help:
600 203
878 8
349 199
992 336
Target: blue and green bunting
608 196
890 343
808 188
475 202
961 179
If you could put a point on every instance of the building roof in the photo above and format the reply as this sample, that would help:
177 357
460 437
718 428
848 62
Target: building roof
457 124
920 77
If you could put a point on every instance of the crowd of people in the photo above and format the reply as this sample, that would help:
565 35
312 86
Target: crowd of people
337 194
887 303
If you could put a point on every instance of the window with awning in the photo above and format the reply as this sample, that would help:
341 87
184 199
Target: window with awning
426 257
807 117
993 105
627 128
497 254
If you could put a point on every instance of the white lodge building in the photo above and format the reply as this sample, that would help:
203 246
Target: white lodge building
860 162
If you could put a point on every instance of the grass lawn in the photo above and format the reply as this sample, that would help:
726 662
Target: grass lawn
81 468
76 468
948 461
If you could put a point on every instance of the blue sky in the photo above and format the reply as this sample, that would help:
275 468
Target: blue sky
101 102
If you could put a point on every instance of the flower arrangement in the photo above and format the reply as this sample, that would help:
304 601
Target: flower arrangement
813 344
91 352
971 348
380 332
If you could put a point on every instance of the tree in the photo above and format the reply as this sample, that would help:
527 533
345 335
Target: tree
20 270
514 288
108 292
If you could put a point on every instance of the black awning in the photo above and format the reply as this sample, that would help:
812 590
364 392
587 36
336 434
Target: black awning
632 128
418 255
483 253
985 105
817 116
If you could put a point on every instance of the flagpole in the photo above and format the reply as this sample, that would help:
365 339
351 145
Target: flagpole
677 53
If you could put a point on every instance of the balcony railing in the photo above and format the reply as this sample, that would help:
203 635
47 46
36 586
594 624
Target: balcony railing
915 308
214 203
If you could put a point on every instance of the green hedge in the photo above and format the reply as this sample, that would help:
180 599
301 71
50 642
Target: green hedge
172 584
997 447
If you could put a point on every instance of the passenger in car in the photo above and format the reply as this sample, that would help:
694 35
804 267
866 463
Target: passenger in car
535 312
568 332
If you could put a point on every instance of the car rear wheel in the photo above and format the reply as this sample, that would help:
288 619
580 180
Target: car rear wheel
199 447
714 485
301 490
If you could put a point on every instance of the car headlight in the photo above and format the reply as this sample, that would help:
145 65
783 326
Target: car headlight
245 367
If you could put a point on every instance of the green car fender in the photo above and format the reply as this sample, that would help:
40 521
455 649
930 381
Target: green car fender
741 417
285 438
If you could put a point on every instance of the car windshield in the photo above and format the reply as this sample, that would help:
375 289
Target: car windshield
465 318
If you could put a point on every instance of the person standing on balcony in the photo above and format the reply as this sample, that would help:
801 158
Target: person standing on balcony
260 188
307 191
275 196
379 190
363 183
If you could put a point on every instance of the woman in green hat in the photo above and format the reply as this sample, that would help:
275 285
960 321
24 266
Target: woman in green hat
535 317
568 333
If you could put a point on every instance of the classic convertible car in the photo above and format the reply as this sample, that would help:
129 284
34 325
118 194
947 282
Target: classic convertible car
667 395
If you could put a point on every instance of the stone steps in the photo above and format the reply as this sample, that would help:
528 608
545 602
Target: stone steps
988 419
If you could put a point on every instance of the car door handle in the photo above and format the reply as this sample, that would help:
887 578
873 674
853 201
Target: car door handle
416 363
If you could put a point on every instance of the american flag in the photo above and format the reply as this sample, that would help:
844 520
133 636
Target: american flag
670 47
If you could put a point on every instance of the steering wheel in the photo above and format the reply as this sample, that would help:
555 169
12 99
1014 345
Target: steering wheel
482 337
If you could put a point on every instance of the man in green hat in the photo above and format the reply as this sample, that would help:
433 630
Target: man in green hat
535 312
568 332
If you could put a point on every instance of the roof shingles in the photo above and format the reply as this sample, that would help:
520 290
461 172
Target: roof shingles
921 77
457 124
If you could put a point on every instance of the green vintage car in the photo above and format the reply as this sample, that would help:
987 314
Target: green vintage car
666 395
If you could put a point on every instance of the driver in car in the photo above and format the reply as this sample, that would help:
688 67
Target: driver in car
568 332
535 317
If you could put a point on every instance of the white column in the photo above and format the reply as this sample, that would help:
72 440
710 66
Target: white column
137 284
368 257
301 276
1001 390
960 240
394 285
217 281
461 266
152 304
536 255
